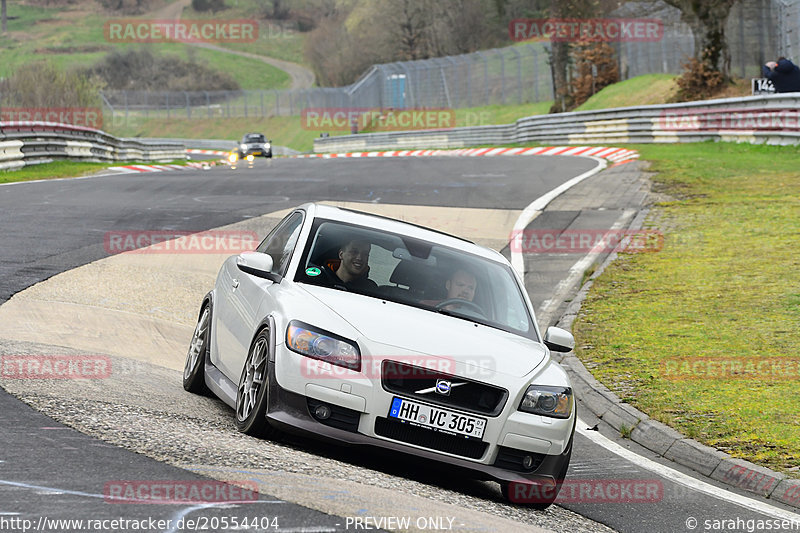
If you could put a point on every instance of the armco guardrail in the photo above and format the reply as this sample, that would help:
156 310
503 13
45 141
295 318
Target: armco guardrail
218 144
30 143
772 119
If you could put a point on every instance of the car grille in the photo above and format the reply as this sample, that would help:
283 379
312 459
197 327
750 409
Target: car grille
429 438
465 394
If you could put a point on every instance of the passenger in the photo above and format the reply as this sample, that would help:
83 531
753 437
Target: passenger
354 266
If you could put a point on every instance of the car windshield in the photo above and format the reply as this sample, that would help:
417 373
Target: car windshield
413 272
254 138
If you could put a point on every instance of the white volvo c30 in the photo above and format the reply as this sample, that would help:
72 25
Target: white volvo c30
372 331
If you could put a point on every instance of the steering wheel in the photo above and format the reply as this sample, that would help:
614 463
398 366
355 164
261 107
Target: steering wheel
463 303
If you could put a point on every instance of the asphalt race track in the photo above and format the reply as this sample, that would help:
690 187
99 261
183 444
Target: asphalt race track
141 425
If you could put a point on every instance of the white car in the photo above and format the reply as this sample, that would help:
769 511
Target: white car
371 331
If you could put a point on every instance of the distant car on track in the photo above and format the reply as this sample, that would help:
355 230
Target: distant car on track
255 144
342 325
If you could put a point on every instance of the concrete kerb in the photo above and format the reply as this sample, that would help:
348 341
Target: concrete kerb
660 438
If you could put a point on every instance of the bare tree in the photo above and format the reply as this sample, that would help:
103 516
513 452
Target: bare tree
3 15
409 22
279 9
707 20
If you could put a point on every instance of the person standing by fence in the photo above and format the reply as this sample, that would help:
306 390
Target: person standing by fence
783 74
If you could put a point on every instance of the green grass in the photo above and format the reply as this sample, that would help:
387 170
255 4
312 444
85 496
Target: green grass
273 40
57 169
283 131
499 114
641 90
724 286
74 36
289 131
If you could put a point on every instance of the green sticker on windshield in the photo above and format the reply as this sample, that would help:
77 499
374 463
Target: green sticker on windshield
313 271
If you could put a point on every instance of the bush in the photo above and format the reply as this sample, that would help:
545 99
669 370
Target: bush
208 5
586 83
128 7
42 84
699 81
140 69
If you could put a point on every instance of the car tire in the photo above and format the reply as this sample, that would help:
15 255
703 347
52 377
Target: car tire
194 378
253 389
544 504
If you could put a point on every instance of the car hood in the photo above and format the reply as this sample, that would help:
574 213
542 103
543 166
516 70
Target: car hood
440 336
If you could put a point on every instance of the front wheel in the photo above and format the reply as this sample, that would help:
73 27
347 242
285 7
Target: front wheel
194 379
252 393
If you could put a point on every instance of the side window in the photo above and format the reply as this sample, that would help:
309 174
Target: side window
281 242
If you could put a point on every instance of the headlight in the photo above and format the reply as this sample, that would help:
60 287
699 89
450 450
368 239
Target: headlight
555 402
325 346
267 146
242 146
233 157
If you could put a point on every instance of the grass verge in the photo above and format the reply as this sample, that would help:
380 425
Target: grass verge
63 169
56 169
724 288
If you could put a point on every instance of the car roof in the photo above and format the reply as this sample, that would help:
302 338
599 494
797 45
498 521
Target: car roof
400 227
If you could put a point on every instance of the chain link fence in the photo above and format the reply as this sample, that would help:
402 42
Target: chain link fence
757 30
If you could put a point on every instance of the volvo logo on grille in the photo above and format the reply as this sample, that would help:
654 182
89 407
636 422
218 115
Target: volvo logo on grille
443 387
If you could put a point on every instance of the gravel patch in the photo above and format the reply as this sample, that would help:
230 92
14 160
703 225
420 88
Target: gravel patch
143 408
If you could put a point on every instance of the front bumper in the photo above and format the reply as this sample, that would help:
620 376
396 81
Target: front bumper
255 152
292 412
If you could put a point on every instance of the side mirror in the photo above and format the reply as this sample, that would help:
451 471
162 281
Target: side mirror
257 264
559 340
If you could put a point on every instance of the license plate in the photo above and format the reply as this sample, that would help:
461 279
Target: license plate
437 418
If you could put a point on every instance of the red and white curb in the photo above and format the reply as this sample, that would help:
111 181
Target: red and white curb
131 169
617 156
206 152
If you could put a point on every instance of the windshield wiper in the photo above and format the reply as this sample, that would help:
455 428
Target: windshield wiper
456 314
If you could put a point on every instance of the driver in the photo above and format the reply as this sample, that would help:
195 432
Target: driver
354 267
461 285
